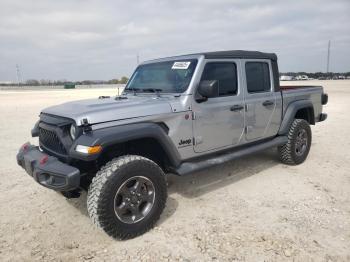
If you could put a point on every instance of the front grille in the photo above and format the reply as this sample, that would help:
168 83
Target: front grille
50 140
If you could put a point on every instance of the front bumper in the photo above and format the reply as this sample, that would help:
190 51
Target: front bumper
47 170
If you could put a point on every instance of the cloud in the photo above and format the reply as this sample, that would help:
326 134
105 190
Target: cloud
76 39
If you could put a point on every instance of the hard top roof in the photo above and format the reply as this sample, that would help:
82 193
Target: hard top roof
221 55
239 54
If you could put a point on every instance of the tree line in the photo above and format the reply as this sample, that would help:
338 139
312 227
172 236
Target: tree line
124 79
317 75
46 82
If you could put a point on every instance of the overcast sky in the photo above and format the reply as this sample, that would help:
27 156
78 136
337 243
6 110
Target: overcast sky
82 39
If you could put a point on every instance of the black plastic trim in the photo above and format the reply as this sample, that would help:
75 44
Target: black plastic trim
210 160
322 117
35 130
276 78
55 120
61 134
118 134
52 173
324 99
291 111
239 54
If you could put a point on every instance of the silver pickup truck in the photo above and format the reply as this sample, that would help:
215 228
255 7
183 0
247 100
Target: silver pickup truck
176 115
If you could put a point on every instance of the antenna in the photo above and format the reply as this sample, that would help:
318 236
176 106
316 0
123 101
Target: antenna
18 73
328 55
137 59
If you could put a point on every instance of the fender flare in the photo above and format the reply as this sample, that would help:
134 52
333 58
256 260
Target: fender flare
119 134
291 111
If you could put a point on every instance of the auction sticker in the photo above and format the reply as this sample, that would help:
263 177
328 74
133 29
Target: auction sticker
181 65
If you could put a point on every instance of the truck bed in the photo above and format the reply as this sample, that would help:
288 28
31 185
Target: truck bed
289 87
293 93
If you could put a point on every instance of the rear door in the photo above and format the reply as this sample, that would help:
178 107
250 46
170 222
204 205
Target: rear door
260 99
219 121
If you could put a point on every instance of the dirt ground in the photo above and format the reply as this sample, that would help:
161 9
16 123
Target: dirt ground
252 209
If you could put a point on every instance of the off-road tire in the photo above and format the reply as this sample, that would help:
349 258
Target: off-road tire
104 186
287 152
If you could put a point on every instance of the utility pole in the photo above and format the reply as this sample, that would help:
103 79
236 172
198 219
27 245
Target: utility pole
328 55
18 73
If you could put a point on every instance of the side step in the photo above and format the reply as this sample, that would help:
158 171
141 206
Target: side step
190 167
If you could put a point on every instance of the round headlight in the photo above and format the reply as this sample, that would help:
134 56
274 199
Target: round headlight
73 131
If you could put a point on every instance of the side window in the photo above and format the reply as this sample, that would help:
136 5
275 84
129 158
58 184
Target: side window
226 75
258 77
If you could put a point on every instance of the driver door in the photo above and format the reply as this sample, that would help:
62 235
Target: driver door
219 121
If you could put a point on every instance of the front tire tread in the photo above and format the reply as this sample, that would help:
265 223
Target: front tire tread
97 199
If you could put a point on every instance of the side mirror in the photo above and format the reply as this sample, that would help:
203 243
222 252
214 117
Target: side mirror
207 89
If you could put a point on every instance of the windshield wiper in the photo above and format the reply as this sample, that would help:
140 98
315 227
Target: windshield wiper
146 90
134 90
153 90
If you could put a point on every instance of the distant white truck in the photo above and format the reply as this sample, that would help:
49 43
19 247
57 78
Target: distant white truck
286 78
302 77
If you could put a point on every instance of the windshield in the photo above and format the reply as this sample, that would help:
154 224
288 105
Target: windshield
167 77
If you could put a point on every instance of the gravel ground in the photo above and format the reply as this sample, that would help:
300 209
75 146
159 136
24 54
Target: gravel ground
252 209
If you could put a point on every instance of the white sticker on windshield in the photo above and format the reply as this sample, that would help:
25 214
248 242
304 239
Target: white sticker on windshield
181 65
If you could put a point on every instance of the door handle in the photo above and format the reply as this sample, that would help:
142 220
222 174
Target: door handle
236 108
268 103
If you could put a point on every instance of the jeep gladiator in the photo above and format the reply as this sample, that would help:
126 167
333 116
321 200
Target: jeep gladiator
176 115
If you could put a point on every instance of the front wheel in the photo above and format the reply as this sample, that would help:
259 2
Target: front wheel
296 150
127 196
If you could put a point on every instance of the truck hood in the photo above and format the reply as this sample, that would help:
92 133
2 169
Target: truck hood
111 109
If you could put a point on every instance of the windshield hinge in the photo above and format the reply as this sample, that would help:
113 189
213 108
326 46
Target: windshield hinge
86 126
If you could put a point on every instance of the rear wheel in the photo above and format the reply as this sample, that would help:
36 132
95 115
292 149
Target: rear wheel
296 150
127 196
